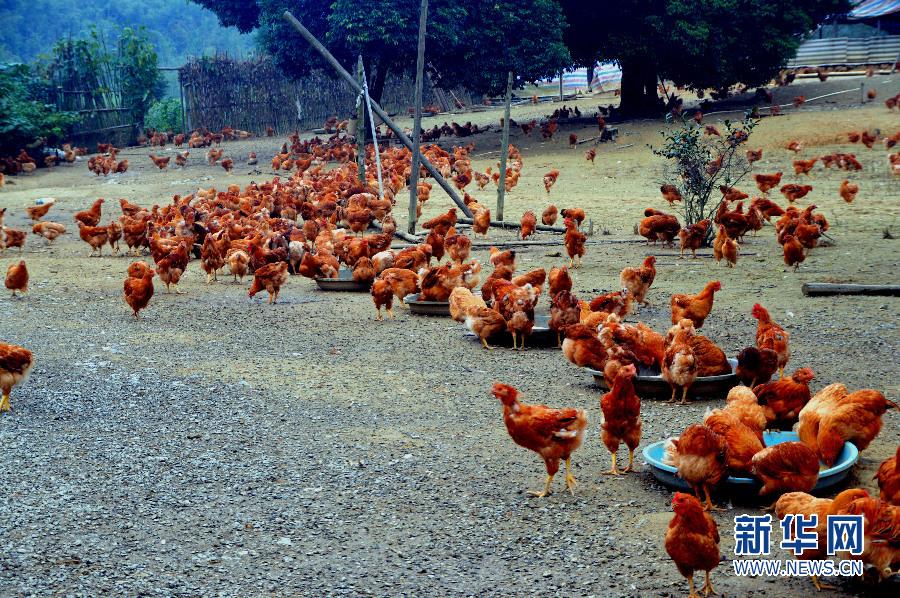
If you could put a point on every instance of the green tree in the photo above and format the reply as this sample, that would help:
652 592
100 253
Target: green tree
27 112
701 44
469 42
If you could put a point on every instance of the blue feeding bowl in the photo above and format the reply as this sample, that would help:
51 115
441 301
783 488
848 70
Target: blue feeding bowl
748 487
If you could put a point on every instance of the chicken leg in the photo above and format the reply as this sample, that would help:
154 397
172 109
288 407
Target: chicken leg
707 588
673 399
630 461
684 399
570 479
709 506
546 489
483 342
614 470
821 586
177 292
4 403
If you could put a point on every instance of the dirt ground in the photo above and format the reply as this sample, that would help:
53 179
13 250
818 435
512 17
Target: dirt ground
393 418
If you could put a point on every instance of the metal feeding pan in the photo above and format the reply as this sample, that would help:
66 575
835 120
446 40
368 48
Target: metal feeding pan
650 384
427 308
748 487
541 336
343 282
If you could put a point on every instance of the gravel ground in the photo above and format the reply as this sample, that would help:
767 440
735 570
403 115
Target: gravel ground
224 447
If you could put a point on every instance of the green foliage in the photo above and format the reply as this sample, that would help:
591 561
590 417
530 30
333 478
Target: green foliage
698 164
137 71
469 42
28 28
702 44
26 113
165 115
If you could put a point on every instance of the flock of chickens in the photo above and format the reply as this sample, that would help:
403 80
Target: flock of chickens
257 230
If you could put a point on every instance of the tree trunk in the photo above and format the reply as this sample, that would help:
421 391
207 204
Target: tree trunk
639 96
376 85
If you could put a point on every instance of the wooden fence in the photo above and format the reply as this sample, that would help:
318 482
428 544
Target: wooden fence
253 94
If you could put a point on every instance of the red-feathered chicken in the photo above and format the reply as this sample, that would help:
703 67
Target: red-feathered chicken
17 278
621 417
692 236
700 457
679 365
559 280
888 477
785 467
574 242
695 308
765 182
756 366
582 347
742 441
692 541
881 534
564 311
659 226
554 434
770 335
270 277
443 223
835 416
618 302
638 280
671 194
15 365
806 505
382 296
549 216
529 222
95 236
458 247
92 216
783 399
138 291
172 266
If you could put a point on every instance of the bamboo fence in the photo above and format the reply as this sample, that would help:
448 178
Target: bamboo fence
253 94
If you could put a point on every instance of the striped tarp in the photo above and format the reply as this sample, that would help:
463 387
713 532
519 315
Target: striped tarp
606 76
870 9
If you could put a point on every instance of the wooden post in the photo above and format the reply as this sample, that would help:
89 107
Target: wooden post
817 289
560 86
504 151
317 45
417 124
361 126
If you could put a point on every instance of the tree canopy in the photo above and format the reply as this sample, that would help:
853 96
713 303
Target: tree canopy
468 42
701 44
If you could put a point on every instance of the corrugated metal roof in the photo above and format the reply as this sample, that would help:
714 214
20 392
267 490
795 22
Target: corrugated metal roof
871 9
846 51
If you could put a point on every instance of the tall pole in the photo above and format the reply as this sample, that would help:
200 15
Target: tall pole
560 86
330 59
417 125
504 151
361 126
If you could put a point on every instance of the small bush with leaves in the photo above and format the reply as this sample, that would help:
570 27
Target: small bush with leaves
165 115
698 164
26 110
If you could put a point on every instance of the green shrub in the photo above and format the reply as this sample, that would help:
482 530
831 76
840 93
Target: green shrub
165 115
26 112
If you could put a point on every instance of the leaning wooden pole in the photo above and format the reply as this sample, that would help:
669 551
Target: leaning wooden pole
309 37
504 150
417 124
360 126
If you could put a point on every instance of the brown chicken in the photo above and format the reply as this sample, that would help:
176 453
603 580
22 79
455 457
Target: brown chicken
783 399
550 180
574 242
443 223
139 290
692 541
559 280
692 237
618 302
848 191
402 282
659 226
171 266
270 277
481 222
770 335
15 365
741 441
730 251
766 207
754 155
785 467
766 182
160 162
806 505
576 214
700 458
881 534
756 365
679 365
38 212
382 296
95 236
211 259
590 155
793 252
564 311
17 278
92 216
638 280
742 403
49 230
671 194
888 477
804 166
552 433
485 323
227 164
549 216
792 192
503 258
835 416
621 418
582 347
695 308
529 224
